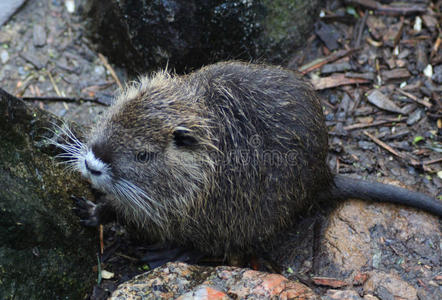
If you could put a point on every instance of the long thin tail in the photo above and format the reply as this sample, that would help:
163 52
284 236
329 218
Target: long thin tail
346 187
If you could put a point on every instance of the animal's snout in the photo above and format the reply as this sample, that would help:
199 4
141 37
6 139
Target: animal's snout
92 170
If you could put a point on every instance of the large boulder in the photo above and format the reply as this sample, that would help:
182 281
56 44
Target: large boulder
186 282
146 35
44 252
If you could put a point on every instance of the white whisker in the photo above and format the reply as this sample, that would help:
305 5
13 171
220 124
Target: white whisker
65 140
139 201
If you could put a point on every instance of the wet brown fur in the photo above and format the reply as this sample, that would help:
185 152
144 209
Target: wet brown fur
224 194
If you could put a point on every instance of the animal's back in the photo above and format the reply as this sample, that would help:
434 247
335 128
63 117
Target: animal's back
273 144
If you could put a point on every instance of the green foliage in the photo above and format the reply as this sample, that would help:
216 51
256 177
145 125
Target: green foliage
417 139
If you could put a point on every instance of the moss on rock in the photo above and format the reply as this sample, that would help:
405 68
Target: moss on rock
44 252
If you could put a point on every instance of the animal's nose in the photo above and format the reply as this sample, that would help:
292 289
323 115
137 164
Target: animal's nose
91 170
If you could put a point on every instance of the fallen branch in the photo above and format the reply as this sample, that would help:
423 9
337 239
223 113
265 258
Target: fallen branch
414 98
396 10
54 84
361 30
383 145
110 69
397 38
65 99
377 123
433 161
412 161
435 47
317 63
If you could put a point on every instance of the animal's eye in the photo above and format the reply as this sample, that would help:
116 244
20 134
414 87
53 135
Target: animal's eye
144 156
183 137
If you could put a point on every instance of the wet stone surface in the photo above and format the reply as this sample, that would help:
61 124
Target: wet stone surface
189 34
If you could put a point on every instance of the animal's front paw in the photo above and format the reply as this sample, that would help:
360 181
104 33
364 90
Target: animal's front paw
88 211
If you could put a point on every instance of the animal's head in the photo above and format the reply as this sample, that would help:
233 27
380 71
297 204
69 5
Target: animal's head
151 150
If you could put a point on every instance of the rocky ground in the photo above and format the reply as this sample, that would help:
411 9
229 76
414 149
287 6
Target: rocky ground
379 74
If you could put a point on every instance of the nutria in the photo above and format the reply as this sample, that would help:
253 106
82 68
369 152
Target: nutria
221 159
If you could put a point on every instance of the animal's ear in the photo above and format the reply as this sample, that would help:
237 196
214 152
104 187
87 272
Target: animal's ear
183 137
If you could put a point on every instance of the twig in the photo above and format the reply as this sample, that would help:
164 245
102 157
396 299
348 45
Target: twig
383 145
391 150
317 63
110 69
21 87
378 71
436 47
433 161
397 38
414 98
394 250
389 10
54 84
65 99
361 29
101 239
127 257
377 123
356 99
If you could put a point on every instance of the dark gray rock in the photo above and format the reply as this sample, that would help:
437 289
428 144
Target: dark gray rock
8 9
39 61
39 36
146 35
366 145
44 252
415 117
437 75
328 34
